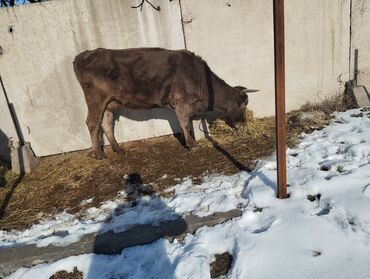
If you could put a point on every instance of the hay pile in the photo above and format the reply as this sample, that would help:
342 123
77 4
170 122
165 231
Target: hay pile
252 131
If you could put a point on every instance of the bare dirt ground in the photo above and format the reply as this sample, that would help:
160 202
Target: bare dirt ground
62 181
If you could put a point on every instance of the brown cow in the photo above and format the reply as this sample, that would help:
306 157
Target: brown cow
145 78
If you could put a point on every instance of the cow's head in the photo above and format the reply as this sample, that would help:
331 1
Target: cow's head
238 113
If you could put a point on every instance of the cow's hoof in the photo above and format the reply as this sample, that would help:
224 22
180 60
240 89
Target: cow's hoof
96 155
118 149
99 156
190 145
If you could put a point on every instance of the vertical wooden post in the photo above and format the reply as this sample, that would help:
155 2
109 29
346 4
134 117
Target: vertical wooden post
279 45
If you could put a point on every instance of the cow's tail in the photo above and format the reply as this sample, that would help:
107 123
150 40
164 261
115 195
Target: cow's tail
77 67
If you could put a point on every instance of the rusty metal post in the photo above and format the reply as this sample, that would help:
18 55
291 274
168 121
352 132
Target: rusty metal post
279 45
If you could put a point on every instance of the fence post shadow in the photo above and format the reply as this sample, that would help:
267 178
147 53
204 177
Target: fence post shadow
9 195
254 173
265 180
222 150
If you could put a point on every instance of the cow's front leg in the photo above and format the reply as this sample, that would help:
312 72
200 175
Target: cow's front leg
184 119
93 124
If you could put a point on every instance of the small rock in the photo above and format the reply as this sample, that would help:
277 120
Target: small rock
313 198
221 265
316 253
357 114
325 168
352 221
76 274
257 209
196 180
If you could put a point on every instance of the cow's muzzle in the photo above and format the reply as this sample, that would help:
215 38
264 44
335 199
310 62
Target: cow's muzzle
237 126
234 124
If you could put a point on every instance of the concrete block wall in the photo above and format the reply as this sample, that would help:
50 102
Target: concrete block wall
235 37
317 43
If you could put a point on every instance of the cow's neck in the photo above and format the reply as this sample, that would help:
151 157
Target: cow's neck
220 94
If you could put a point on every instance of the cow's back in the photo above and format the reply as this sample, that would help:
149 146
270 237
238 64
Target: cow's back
145 76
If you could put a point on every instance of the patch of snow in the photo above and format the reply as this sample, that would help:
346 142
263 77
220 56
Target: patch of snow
327 237
217 193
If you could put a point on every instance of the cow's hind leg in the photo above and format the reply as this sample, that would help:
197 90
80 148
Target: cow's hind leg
93 124
183 116
93 121
107 125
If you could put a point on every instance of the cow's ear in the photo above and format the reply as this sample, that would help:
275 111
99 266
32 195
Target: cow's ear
243 97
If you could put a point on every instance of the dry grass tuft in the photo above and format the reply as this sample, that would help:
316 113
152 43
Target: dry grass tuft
328 105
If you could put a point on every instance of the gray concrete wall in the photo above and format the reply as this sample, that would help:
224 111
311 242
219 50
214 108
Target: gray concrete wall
234 36
36 65
361 40
236 39
317 52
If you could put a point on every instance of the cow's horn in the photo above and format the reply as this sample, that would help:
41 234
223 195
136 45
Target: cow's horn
250 90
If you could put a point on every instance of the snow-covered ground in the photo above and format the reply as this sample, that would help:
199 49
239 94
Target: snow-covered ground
328 237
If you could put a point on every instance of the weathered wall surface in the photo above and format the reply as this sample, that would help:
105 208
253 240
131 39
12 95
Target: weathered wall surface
317 49
361 40
236 39
36 65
